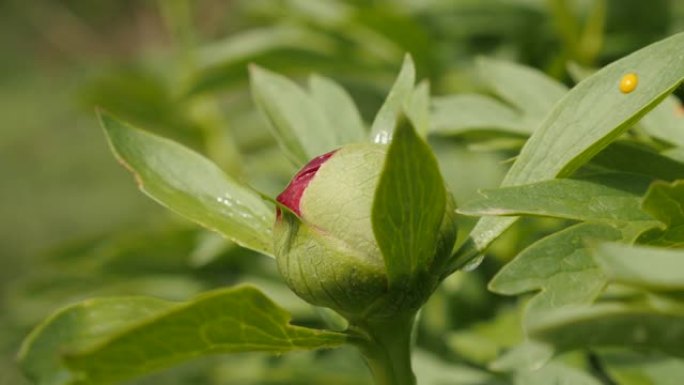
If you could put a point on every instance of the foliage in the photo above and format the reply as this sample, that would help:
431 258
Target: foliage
583 227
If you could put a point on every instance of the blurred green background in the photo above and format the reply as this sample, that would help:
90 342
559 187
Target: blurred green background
76 226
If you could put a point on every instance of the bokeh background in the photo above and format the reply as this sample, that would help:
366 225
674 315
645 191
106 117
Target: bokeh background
75 225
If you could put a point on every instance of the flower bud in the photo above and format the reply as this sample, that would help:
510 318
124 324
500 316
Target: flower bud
326 248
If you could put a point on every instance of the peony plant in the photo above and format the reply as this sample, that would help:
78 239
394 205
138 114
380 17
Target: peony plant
368 229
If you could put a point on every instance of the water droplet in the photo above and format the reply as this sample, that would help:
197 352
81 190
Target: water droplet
474 263
224 201
382 137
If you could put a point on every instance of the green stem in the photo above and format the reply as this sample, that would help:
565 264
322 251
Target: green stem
387 349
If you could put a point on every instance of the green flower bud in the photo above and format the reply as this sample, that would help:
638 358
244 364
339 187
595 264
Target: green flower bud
326 249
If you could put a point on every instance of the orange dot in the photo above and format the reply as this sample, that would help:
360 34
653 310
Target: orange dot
679 110
628 83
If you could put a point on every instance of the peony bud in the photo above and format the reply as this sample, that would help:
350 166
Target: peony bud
326 249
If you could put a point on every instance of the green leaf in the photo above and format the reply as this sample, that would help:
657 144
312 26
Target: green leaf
612 325
339 109
528 355
463 113
417 108
666 121
612 198
595 112
297 121
191 185
554 373
638 159
77 326
408 206
281 47
431 370
386 119
665 202
647 267
109 340
482 342
583 122
629 368
529 90
560 266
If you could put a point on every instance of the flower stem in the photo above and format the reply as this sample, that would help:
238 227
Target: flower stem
387 349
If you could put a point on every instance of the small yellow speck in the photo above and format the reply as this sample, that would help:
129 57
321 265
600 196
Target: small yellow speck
628 83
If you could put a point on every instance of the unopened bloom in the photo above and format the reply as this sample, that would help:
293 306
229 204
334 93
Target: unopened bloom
326 248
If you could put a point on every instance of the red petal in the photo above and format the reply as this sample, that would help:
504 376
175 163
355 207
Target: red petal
292 194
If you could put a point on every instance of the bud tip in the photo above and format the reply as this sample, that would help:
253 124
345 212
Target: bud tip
291 196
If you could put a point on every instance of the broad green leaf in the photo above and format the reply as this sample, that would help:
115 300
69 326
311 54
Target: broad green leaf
432 370
579 72
554 373
463 113
560 266
647 267
281 47
612 198
612 325
408 206
583 122
255 41
595 112
339 109
528 355
530 91
482 342
638 159
417 108
78 326
297 121
146 339
665 202
209 247
666 121
386 119
191 185
674 153
630 368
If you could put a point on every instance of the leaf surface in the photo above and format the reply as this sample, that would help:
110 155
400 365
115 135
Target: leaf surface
665 202
108 340
560 266
191 185
408 206
653 268
613 325
297 121
612 198
530 91
339 109
583 122
463 113
386 119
